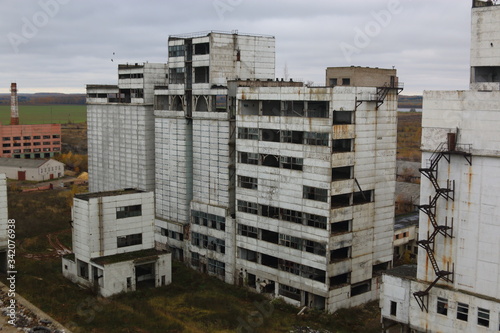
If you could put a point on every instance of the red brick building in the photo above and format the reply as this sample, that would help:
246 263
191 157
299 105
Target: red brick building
30 141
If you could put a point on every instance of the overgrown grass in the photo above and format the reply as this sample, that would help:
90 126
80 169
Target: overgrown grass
409 136
46 114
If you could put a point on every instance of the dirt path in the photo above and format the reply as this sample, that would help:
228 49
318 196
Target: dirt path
55 244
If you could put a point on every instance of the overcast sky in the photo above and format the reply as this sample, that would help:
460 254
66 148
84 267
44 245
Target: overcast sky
62 45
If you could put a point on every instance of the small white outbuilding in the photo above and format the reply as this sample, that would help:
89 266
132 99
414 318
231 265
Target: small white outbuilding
35 170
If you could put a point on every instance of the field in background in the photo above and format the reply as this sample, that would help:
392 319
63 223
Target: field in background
409 136
46 114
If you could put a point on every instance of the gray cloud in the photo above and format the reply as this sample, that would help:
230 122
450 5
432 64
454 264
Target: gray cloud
427 41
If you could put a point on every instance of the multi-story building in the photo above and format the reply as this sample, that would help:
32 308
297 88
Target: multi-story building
121 128
281 187
113 243
455 287
30 141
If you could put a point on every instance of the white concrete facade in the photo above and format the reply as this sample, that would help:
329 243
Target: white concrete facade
34 170
121 129
113 239
460 134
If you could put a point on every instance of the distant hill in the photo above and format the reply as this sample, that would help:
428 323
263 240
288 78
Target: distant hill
45 99
409 102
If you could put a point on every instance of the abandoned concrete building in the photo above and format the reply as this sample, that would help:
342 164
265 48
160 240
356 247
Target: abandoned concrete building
113 243
456 285
284 188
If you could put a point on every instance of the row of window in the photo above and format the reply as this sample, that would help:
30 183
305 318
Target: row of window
28 144
129 240
128 211
131 76
276 108
28 150
208 220
275 161
180 50
27 137
172 234
282 239
483 315
289 215
214 266
208 242
272 135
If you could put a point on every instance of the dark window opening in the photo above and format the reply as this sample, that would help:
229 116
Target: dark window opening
333 82
317 109
342 117
314 193
292 163
248 158
290 292
248 231
269 236
362 197
340 254
483 317
176 51
83 269
316 221
201 48
271 160
270 135
341 227
129 240
293 109
177 104
379 268
342 173
247 182
290 241
270 211
394 308
161 102
201 74
291 215
361 288
342 145
316 139
176 75
346 81
247 207
442 306
462 311
341 200
269 261
247 254
271 108
340 280
201 103
292 136
128 211
314 247
248 133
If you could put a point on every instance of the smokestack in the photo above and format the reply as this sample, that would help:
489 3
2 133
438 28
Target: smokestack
14 110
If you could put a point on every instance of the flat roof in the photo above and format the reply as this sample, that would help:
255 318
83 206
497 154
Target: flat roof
136 256
404 271
405 221
91 195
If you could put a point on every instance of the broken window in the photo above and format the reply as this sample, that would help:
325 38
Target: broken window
361 288
247 182
394 308
271 108
316 139
343 117
292 136
314 247
333 82
270 211
270 160
269 261
176 75
293 109
216 267
176 51
128 211
247 254
342 173
83 269
462 311
247 207
201 48
379 268
129 240
269 236
362 197
341 200
289 266
483 317
247 231
248 158
314 193
201 74
290 292
291 215
340 254
342 145
248 133
341 227
195 259
340 280
290 241
442 306
293 163
249 107
315 221
317 109
270 135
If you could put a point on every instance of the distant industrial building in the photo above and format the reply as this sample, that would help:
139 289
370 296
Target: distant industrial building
33 170
28 141
456 285
267 183
113 243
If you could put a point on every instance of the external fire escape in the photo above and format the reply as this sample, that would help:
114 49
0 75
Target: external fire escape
379 96
445 149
